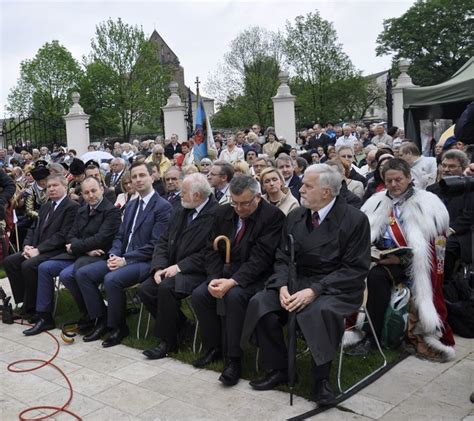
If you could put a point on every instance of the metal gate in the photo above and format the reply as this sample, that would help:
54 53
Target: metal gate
33 131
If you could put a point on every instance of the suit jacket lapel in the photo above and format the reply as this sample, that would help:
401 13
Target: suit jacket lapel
142 217
326 231
51 217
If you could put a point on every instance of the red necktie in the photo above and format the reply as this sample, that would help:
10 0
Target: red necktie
241 232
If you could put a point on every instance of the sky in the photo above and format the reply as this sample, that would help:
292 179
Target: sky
199 32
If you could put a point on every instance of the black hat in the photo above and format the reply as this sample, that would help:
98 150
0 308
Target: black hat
77 167
92 163
40 172
40 163
65 166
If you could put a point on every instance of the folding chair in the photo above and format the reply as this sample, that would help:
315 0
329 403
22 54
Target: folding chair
57 287
187 301
362 310
133 297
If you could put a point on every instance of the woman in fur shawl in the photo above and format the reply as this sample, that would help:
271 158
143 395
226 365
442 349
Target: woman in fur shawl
405 216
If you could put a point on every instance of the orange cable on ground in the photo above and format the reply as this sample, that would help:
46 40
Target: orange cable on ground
56 409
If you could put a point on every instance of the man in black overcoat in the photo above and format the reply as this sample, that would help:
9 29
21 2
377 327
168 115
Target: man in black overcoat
178 250
254 227
46 239
88 241
332 254
460 205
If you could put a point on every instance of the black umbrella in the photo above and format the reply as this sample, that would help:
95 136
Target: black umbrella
291 320
226 273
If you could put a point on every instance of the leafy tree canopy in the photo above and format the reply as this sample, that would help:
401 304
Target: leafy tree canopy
126 75
436 35
46 82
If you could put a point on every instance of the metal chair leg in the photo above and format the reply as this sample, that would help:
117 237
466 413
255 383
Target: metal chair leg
196 327
56 295
384 364
139 321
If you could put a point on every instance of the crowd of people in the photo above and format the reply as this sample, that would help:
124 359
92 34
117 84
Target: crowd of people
226 231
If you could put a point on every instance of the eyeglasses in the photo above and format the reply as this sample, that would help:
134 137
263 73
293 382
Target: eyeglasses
171 179
346 156
245 204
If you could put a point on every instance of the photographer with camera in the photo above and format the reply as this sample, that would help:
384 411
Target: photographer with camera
457 192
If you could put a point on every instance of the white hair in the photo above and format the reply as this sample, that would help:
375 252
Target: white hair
329 177
198 184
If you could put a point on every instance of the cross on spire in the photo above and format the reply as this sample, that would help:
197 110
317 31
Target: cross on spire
198 82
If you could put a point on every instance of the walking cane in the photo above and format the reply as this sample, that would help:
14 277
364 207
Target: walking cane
291 320
69 332
226 273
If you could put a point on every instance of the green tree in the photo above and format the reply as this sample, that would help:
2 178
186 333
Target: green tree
45 83
320 65
97 96
436 35
248 78
128 75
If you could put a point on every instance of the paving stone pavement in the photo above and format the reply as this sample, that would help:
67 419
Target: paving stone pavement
120 384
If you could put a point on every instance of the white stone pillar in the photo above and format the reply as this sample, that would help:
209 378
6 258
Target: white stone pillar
403 81
284 111
173 113
77 126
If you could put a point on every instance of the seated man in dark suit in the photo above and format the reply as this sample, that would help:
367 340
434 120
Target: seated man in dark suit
285 164
93 170
90 237
319 139
113 178
46 239
173 147
332 255
253 227
173 179
178 250
144 220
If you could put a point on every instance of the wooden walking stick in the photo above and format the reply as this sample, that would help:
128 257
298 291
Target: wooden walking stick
226 273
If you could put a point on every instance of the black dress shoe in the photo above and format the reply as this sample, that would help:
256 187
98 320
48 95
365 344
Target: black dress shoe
361 349
232 371
41 326
273 379
324 394
85 326
213 355
160 351
116 336
99 331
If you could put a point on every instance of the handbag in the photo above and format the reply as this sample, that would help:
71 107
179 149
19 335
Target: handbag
395 322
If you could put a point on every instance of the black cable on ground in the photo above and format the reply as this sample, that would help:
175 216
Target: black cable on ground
343 396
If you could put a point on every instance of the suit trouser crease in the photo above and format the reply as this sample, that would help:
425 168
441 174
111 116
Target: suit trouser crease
164 303
47 271
236 302
23 276
273 353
